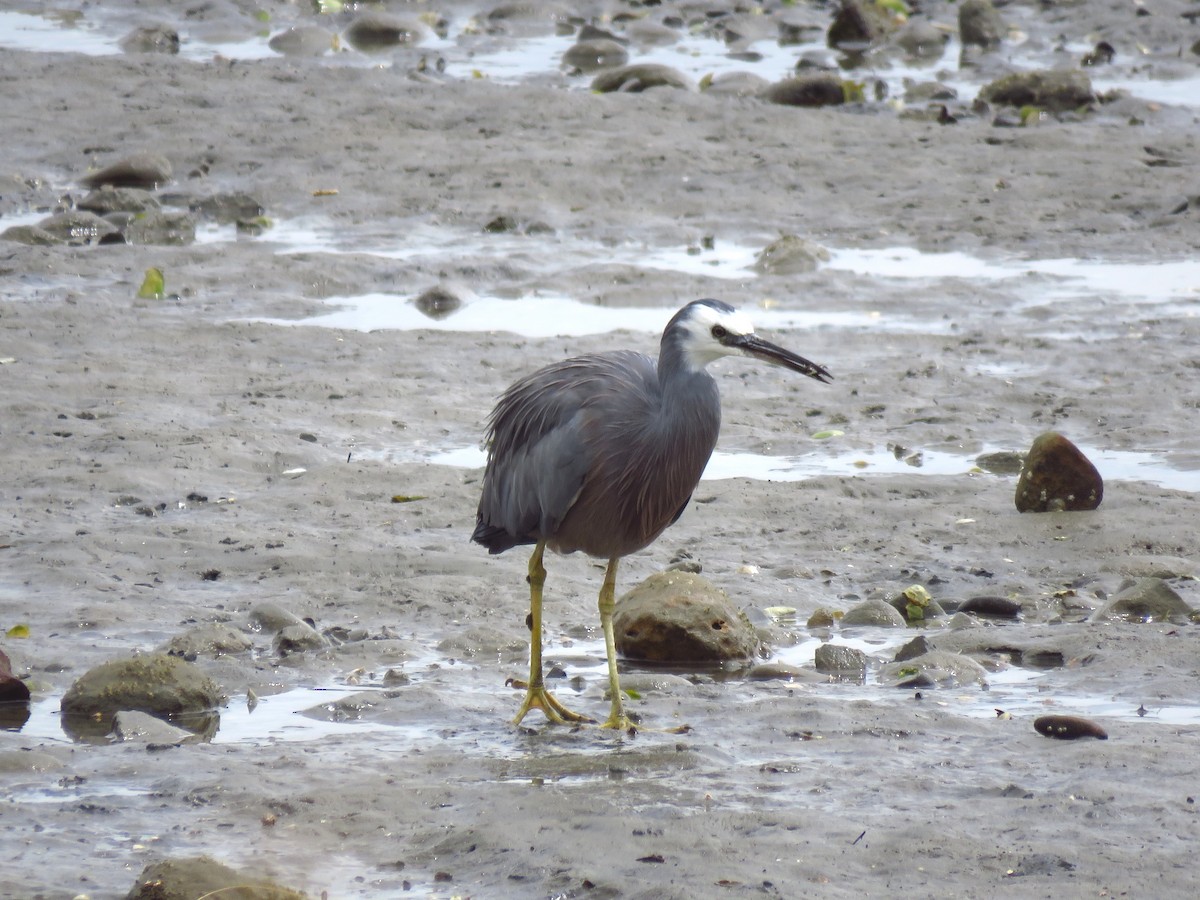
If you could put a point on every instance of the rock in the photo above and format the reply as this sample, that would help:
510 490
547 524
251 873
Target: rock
130 725
859 24
151 39
640 77
12 688
271 617
1057 476
991 607
161 229
378 31
773 671
915 604
142 170
438 302
595 54
1002 462
926 92
918 646
304 41
153 683
679 617
839 659
24 761
980 25
921 39
790 255
297 639
1068 728
873 613
1056 90
202 876
820 89
1145 600
821 618
109 199
734 84
78 227
227 208
937 668
215 639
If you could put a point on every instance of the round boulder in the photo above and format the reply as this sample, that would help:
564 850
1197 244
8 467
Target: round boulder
154 683
679 617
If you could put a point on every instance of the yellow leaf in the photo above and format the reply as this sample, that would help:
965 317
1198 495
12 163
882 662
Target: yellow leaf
18 631
152 285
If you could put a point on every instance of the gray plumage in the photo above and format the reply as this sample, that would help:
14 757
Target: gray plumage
601 453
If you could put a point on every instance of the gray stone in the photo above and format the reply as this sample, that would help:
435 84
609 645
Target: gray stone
838 658
153 683
595 54
679 617
640 77
141 170
937 668
873 613
297 639
790 255
131 725
215 639
980 25
161 228
1145 600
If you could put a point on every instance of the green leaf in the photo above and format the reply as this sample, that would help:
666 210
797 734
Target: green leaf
18 631
152 285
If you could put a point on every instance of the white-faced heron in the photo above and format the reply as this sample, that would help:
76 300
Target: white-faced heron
601 453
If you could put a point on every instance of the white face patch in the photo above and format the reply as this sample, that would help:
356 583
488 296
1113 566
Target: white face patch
700 347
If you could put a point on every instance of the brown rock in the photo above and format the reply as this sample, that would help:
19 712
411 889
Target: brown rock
979 24
679 617
1057 476
1068 728
807 90
1057 90
859 24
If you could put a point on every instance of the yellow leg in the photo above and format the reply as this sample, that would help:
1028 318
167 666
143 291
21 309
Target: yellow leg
536 695
616 716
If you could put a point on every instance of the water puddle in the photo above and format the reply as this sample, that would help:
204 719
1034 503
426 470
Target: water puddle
1115 465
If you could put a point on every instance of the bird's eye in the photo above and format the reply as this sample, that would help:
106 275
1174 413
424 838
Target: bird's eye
718 331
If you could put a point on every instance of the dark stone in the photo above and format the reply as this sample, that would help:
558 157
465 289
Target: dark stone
1056 477
677 617
438 302
1056 90
918 646
822 89
1068 728
980 25
142 170
12 688
202 876
992 607
595 54
379 31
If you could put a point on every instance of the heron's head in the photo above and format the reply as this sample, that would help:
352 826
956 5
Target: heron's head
706 330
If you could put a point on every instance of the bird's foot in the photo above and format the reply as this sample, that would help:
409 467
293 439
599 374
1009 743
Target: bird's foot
537 697
622 722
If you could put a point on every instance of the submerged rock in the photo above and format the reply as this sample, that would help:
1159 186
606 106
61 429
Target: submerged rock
132 726
151 39
1145 600
438 302
1057 477
1057 90
937 668
790 255
154 683
304 41
679 617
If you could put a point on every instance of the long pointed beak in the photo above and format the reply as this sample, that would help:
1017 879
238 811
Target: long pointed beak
753 345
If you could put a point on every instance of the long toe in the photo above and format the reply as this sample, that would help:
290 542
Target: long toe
537 697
